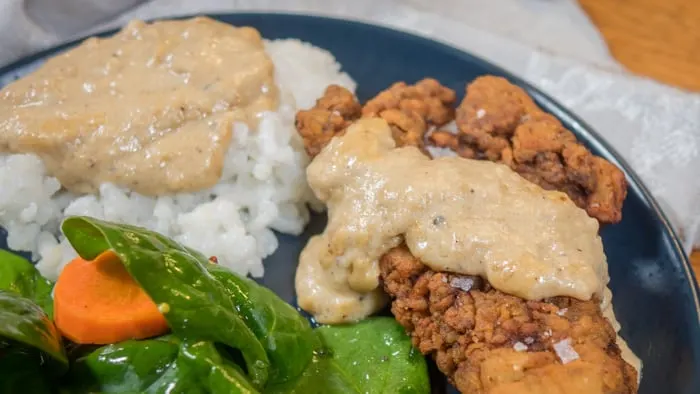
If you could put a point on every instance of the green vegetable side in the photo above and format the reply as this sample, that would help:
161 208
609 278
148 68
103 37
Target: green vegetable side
165 364
31 349
373 356
159 265
21 277
22 371
228 334
286 335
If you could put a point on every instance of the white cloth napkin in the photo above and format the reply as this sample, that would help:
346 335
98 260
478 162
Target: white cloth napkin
553 45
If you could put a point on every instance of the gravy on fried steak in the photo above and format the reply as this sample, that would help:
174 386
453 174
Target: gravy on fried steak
457 215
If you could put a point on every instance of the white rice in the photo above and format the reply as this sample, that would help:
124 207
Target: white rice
262 188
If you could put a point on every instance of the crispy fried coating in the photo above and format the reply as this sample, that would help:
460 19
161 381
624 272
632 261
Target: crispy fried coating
410 110
499 122
331 115
427 98
488 342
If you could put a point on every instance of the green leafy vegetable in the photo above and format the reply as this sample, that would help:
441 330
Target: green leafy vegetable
165 364
374 356
20 276
22 322
286 335
29 341
22 372
229 335
199 309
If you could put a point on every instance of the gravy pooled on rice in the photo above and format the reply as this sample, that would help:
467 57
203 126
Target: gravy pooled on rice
151 108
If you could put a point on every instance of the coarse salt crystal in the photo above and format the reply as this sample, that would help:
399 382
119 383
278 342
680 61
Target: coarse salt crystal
565 351
462 283
519 347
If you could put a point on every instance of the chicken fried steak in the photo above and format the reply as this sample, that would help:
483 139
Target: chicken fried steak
484 340
487 341
497 121
410 110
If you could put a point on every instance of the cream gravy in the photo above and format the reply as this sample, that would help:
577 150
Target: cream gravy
150 108
323 289
457 215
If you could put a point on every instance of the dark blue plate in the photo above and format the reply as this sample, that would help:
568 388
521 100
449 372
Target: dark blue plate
655 293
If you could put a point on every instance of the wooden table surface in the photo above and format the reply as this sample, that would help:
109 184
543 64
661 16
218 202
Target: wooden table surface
659 39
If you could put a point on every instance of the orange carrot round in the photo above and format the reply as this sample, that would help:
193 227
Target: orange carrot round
98 302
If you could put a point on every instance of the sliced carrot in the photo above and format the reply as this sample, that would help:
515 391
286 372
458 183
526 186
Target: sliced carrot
98 302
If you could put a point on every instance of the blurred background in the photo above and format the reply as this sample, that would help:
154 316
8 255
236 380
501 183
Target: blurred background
630 68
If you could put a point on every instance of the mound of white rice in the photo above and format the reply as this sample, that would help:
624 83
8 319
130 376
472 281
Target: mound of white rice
263 186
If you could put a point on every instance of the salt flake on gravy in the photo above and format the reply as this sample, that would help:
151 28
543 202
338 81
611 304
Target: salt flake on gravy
454 214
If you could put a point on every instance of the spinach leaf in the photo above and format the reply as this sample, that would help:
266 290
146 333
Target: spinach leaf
165 364
20 276
378 355
22 372
195 305
130 366
373 356
286 335
23 323
211 310
29 341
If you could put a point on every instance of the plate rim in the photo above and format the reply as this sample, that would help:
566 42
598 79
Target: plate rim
550 104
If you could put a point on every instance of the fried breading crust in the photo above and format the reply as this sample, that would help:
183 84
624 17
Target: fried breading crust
410 110
473 331
486 341
331 115
498 121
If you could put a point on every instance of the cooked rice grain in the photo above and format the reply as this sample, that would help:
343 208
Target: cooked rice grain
262 188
